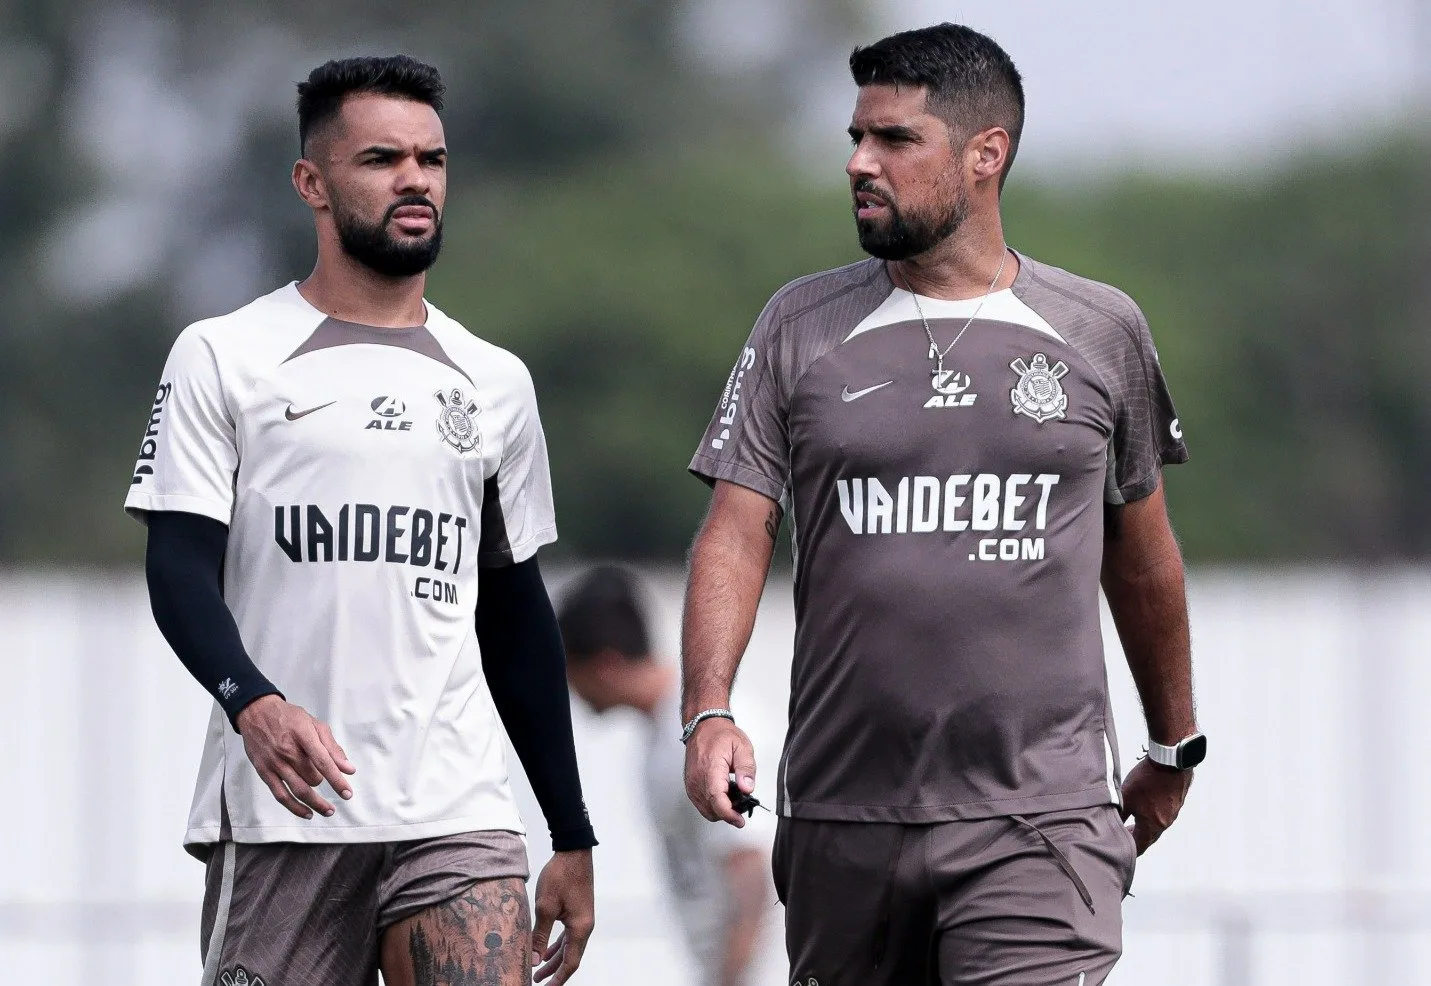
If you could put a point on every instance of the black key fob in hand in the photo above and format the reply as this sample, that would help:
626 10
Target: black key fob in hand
744 804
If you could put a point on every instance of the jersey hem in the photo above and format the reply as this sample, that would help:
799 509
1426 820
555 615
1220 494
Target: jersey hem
138 503
209 834
969 811
710 470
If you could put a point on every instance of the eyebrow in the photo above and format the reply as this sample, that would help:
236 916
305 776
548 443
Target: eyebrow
888 131
384 150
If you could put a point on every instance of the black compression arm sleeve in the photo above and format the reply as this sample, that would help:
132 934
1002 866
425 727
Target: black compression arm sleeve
525 664
183 565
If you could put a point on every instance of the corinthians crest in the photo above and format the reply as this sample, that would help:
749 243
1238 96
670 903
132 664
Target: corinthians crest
454 421
239 977
1038 393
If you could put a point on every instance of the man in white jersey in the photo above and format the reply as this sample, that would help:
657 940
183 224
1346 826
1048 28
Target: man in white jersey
718 875
345 492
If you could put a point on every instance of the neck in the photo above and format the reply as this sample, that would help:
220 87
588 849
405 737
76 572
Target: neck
345 289
961 266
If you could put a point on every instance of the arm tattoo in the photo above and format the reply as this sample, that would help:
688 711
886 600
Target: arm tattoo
481 938
772 522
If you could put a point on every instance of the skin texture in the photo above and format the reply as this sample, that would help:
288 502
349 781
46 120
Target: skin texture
478 939
377 151
565 894
911 160
294 753
1143 580
729 562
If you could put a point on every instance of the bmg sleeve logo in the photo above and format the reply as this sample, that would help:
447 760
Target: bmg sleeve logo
149 448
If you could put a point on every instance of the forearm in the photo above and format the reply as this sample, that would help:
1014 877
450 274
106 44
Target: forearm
749 887
525 666
183 561
1143 581
728 566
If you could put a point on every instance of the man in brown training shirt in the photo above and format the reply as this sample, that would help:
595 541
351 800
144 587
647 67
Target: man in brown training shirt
966 442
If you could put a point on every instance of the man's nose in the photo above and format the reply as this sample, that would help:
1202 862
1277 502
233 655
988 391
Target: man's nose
412 178
862 163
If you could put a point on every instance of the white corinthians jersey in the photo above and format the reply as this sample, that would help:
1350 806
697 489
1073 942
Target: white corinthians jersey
365 475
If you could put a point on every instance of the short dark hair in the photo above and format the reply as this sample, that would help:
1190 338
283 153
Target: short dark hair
320 98
602 611
971 81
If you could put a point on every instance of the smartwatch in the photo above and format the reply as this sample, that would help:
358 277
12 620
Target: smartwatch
1186 755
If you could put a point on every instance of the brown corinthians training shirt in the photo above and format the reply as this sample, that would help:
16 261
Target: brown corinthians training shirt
948 532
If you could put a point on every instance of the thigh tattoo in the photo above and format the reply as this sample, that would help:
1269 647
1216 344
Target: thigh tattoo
481 938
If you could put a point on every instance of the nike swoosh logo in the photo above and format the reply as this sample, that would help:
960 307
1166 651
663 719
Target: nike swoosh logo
846 395
293 415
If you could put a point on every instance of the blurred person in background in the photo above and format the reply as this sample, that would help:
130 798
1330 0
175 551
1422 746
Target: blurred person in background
967 440
719 876
335 479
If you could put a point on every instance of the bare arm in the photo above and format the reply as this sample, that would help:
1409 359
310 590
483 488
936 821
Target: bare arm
1143 580
729 562
747 875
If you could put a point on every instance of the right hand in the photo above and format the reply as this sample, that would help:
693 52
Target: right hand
294 752
717 749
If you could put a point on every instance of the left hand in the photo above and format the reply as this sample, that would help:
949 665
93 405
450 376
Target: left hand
565 893
1153 795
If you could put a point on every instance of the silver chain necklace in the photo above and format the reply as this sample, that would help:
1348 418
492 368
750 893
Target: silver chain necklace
934 351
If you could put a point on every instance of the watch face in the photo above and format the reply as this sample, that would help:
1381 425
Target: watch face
1191 751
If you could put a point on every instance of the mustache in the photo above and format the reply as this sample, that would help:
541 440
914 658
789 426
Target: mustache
868 187
407 200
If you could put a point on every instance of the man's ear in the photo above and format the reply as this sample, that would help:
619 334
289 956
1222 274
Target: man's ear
308 182
989 150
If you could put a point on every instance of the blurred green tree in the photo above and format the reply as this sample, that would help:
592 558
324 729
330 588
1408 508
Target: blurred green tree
621 212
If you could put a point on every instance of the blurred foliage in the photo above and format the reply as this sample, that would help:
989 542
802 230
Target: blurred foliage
619 215
1289 314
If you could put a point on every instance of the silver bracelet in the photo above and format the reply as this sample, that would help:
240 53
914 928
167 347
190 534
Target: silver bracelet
701 717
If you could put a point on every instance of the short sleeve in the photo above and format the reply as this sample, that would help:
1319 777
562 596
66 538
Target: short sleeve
188 455
1147 433
747 441
518 515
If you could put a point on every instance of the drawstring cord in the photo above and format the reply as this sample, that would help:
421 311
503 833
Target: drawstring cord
1060 859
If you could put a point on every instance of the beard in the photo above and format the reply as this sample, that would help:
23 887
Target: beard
373 246
904 235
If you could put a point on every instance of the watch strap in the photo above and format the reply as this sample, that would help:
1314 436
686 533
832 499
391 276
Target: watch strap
1167 756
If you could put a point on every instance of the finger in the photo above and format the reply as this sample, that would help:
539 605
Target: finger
320 760
302 765
696 793
718 798
742 764
334 750
571 960
304 793
542 930
552 957
1144 834
281 795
